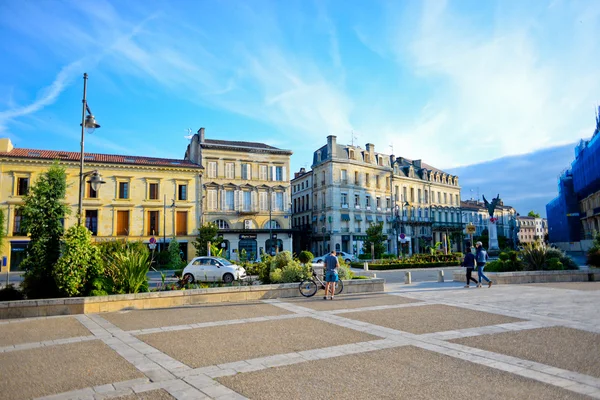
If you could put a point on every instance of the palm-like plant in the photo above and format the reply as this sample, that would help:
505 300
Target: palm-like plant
128 270
534 256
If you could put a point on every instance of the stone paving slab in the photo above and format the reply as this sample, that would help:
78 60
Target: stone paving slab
159 394
352 301
225 344
569 285
39 330
558 346
402 372
430 318
44 371
144 319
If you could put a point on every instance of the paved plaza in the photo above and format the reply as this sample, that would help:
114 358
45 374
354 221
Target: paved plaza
420 341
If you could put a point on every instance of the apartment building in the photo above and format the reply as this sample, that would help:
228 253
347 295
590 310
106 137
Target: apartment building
353 187
246 193
302 218
532 230
142 197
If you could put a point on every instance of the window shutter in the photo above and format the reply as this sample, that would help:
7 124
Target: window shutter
254 202
236 202
223 199
283 174
241 201
273 204
273 173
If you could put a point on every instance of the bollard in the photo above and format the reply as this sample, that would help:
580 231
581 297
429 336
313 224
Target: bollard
441 275
407 278
366 266
374 276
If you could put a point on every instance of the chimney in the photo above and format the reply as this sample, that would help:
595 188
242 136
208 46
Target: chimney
201 134
417 163
370 148
331 146
6 145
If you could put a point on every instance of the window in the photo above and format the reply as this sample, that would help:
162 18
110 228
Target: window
405 198
456 199
17 227
344 199
344 176
91 221
368 201
380 161
277 173
351 154
378 202
181 192
412 195
356 200
247 206
445 199
181 223
367 179
388 202
279 201
229 202
212 169
123 190
90 192
221 224
152 223
262 172
122 223
439 197
211 198
426 197
153 191
22 186
419 199
246 171
263 201
377 181
356 178
229 170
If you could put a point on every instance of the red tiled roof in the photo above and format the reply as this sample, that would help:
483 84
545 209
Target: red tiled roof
96 157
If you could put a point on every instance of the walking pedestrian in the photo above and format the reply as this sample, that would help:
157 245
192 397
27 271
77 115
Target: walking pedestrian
469 263
331 273
481 257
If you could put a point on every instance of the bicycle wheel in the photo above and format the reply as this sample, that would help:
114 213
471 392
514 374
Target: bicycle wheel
339 287
308 288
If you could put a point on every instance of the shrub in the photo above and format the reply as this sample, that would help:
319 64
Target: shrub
345 273
294 272
10 293
495 266
281 259
79 264
503 256
564 259
174 251
534 258
305 257
554 264
127 271
275 276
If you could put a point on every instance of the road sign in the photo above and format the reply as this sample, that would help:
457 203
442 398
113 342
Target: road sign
402 236
152 240
152 246
471 229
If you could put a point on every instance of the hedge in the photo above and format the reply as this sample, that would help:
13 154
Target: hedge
386 266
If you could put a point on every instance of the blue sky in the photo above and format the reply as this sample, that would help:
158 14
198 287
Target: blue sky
454 83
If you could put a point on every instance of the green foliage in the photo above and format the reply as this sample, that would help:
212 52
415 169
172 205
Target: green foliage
305 257
263 269
376 237
10 293
281 259
554 264
206 233
127 271
79 263
533 214
593 254
43 213
293 272
566 261
534 257
432 249
174 251
275 276
216 251
503 256
345 273
110 247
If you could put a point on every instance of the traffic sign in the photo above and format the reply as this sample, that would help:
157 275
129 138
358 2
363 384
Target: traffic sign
402 236
152 246
152 240
471 229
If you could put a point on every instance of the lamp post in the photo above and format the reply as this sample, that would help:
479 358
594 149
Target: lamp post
88 123
165 220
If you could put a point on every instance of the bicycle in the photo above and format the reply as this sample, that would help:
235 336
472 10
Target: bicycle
309 287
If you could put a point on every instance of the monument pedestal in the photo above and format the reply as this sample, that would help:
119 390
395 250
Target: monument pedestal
493 248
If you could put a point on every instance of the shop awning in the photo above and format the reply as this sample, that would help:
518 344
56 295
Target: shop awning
314 218
322 218
379 218
345 217
357 217
369 218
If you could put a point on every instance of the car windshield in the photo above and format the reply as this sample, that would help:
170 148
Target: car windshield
224 261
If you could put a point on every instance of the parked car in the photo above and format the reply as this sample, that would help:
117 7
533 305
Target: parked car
348 258
210 269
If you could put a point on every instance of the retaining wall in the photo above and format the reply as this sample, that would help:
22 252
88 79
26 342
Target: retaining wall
535 276
174 298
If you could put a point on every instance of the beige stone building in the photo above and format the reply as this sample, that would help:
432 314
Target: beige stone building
302 210
532 230
246 190
355 187
142 197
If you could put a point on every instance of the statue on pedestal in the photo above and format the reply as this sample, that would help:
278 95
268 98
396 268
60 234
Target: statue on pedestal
493 247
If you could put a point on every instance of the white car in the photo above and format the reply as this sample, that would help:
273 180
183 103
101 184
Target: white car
210 269
348 258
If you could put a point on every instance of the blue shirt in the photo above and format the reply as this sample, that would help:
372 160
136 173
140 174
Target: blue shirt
331 262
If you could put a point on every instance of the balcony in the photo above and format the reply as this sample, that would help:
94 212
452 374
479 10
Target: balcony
450 226
345 230
322 183
369 208
344 205
357 206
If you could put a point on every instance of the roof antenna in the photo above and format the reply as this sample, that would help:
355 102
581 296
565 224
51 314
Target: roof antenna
353 137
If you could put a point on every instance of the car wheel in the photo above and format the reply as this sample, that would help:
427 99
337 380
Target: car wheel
227 278
189 278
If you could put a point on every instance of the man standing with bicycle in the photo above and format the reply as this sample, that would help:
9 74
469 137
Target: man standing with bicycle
331 273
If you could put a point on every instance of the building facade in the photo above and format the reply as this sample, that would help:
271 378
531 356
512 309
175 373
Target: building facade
246 193
574 215
142 197
302 218
532 230
418 205
507 224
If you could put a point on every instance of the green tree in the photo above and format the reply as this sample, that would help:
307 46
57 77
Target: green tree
43 213
376 237
533 214
174 254
79 264
206 233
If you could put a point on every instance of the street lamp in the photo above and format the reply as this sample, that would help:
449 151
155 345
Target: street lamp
89 124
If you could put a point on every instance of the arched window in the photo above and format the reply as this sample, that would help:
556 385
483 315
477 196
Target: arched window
273 224
222 224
